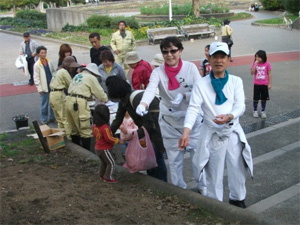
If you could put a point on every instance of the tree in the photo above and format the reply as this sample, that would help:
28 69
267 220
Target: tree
196 8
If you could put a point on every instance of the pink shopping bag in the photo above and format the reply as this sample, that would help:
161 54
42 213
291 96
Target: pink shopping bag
138 157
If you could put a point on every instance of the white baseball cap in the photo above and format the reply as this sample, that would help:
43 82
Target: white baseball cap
218 46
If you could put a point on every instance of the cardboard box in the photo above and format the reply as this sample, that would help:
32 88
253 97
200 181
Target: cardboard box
54 136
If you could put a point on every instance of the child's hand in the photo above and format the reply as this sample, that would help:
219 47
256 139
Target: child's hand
121 142
269 86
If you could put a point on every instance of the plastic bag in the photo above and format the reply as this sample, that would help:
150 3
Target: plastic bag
137 157
19 62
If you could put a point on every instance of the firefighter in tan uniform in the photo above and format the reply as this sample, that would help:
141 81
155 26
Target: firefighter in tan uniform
122 42
83 85
60 82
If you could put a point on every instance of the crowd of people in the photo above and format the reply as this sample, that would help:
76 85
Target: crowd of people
184 109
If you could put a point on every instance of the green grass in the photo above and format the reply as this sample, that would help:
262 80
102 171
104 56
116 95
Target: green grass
276 20
240 16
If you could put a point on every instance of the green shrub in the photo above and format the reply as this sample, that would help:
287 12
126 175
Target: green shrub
98 21
72 28
130 22
292 6
6 20
31 15
271 4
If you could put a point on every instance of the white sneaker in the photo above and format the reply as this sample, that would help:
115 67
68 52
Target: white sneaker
263 115
255 114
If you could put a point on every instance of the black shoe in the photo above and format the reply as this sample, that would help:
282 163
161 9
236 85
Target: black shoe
240 204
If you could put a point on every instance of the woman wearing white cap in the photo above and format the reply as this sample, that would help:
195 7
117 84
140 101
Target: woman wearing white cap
220 96
78 113
174 79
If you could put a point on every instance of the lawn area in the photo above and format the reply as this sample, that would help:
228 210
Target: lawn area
278 20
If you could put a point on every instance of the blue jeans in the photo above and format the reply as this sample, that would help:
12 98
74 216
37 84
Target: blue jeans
45 108
159 172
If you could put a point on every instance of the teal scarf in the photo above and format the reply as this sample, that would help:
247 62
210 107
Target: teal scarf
218 85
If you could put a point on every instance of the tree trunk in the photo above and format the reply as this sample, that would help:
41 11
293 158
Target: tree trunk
195 8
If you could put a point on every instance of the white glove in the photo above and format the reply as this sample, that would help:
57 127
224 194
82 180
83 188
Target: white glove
177 100
141 110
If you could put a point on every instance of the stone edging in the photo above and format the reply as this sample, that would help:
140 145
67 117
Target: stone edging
264 24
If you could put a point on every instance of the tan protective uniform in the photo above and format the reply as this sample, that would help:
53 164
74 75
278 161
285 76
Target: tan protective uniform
82 87
124 45
61 80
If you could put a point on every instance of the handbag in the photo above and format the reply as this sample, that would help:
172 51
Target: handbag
230 41
138 157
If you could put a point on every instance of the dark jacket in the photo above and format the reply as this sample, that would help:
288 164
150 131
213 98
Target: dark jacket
149 121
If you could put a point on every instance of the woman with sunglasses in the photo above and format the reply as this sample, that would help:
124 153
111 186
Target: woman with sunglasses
174 79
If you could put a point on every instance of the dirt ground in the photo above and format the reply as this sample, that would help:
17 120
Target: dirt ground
61 188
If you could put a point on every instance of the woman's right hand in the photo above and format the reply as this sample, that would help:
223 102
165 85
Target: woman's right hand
184 139
141 110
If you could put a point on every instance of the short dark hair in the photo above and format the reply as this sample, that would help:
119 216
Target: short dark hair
94 34
40 48
26 34
207 46
261 54
226 22
117 87
166 43
101 115
122 21
107 55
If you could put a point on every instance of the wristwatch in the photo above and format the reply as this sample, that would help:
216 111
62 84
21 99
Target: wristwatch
229 118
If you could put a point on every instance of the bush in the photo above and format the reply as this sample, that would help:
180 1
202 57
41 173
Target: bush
6 20
98 21
130 22
72 28
292 6
31 15
271 4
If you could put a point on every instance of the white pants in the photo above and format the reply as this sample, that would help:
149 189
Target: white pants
176 159
229 150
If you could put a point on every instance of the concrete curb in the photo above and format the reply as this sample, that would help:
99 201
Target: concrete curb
264 24
227 212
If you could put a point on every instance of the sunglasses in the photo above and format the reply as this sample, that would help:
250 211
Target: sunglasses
173 51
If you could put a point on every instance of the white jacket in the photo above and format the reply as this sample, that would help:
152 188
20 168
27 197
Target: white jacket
203 99
39 75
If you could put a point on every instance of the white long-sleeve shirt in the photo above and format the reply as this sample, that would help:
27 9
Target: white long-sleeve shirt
203 98
187 77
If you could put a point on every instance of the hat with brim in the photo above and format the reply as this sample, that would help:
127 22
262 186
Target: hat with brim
218 47
132 58
69 61
157 60
93 68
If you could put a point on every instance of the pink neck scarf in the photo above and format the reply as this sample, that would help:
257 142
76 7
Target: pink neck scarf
171 73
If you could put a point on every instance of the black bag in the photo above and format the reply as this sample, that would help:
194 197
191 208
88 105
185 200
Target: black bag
230 41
